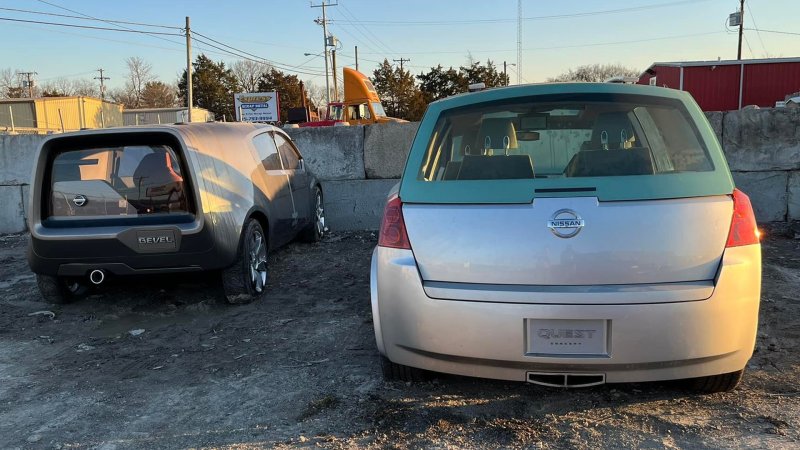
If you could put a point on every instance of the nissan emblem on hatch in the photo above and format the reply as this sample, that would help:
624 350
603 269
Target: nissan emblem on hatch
565 223
79 200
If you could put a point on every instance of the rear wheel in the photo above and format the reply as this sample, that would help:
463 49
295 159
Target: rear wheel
398 372
60 290
717 383
246 280
316 230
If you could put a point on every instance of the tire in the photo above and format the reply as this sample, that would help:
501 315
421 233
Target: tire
246 280
316 230
61 290
713 384
398 372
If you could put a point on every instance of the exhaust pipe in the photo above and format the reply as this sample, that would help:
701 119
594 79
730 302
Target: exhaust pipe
566 380
97 276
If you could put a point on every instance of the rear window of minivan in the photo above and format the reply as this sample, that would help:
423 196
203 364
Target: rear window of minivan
512 145
562 139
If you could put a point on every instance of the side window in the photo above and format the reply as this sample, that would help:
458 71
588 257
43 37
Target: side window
364 111
291 161
267 152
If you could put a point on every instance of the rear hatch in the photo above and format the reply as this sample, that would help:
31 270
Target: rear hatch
591 189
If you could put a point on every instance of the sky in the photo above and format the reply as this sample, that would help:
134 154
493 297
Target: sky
428 32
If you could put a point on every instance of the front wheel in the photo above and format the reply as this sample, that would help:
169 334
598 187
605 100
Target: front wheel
246 280
398 372
316 230
61 290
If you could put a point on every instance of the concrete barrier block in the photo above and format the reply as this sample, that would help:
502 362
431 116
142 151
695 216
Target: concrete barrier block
386 148
715 119
11 219
762 139
332 153
355 204
16 157
794 196
767 192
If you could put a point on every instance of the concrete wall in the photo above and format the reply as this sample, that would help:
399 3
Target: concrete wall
358 166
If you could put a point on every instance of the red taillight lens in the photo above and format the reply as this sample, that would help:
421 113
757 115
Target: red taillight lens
393 228
744 230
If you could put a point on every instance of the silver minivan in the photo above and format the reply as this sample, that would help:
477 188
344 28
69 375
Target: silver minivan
567 235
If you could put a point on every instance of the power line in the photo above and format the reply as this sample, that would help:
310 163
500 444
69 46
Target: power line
374 37
247 55
772 31
255 59
758 33
88 18
8 19
548 17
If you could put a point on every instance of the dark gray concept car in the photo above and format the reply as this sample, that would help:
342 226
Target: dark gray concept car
165 199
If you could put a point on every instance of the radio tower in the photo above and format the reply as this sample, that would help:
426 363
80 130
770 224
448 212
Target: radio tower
519 39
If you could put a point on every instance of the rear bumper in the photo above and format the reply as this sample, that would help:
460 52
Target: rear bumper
75 252
646 342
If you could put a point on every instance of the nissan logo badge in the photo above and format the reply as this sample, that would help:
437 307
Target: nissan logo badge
79 200
565 223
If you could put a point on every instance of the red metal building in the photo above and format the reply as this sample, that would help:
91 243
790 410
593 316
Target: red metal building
731 84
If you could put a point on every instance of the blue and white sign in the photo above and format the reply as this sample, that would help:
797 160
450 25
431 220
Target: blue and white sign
257 107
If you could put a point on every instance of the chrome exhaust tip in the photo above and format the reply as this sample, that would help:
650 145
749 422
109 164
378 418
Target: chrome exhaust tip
566 380
97 276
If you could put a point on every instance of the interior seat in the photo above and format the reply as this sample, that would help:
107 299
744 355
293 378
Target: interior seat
611 131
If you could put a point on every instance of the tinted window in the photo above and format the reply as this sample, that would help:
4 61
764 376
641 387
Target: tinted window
582 137
267 152
117 181
288 154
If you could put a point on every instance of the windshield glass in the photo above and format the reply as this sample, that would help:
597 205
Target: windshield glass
581 137
336 112
378 108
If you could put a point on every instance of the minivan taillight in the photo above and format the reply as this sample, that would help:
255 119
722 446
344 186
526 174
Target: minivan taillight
744 230
393 228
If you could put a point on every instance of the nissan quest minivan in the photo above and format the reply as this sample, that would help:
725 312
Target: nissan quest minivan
567 235
166 199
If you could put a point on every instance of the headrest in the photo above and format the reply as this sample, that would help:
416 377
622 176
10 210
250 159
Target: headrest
156 168
497 133
616 126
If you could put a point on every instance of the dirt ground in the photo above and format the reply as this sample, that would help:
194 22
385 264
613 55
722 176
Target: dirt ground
155 363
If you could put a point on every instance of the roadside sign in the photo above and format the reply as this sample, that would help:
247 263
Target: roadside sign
257 107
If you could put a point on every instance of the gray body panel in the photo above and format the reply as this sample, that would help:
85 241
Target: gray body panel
633 242
228 185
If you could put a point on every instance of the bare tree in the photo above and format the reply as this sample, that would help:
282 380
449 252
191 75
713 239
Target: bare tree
66 87
316 94
248 73
9 83
595 73
139 74
122 96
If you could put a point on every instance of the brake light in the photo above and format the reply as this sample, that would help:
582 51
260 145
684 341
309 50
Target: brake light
744 230
393 227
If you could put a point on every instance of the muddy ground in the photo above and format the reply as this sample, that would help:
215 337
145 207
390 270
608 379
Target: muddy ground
300 369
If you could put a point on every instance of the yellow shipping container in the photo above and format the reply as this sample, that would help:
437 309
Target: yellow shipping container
54 114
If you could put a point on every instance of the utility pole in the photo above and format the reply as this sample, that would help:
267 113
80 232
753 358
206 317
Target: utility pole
741 29
30 83
519 39
505 74
188 71
356 58
324 23
335 81
401 61
102 84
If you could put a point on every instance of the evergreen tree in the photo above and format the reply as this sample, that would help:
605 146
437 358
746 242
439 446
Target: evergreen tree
213 86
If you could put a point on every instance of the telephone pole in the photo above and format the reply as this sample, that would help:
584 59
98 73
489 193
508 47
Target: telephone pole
102 83
324 23
335 81
741 29
356 58
519 39
29 83
188 71
401 61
